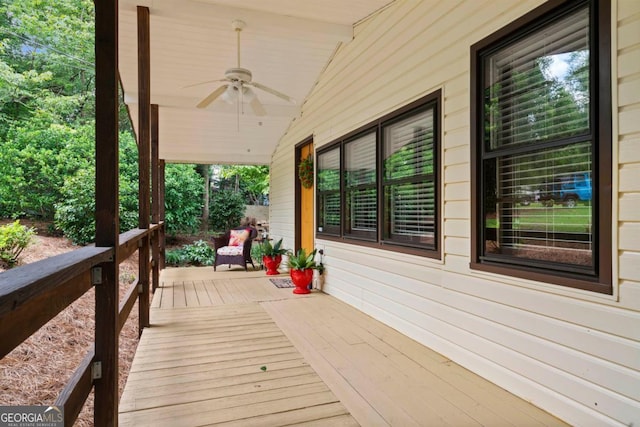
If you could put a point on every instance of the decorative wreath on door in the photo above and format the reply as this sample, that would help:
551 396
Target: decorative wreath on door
305 172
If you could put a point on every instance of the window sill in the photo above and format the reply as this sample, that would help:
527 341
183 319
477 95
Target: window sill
569 284
386 246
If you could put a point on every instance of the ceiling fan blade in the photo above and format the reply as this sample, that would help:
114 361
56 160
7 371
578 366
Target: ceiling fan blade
271 91
212 96
204 83
257 107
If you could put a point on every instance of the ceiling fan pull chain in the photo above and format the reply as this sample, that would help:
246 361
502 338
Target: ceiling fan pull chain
238 33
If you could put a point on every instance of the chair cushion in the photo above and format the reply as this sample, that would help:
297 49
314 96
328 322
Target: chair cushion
237 237
230 250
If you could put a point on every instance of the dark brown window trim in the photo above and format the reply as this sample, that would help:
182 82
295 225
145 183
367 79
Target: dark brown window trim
409 250
601 110
433 100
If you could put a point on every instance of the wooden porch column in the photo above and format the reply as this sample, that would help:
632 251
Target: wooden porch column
155 197
144 142
161 207
107 222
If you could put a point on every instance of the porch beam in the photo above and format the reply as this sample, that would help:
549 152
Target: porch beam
106 215
144 156
200 14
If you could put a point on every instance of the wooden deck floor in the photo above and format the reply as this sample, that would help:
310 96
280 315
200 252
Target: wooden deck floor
229 348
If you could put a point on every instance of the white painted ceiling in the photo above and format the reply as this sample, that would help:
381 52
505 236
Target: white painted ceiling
285 44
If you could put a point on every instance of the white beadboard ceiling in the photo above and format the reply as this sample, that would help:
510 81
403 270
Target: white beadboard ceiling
285 44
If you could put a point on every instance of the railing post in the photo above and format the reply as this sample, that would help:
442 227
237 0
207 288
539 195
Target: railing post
144 157
107 223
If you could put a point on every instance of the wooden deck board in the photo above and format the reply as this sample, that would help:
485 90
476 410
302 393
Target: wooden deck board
208 362
455 395
327 364
331 414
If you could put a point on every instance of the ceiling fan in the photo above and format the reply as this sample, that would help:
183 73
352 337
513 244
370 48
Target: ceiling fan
238 85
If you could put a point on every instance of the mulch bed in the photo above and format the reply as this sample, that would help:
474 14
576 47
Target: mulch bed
35 372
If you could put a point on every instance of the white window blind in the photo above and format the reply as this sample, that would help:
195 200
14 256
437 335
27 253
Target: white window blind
360 186
538 87
544 205
538 162
410 202
328 187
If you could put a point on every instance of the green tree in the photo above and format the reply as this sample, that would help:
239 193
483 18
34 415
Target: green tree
226 210
251 181
183 198
34 161
51 42
75 211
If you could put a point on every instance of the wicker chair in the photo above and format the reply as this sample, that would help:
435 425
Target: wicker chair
237 255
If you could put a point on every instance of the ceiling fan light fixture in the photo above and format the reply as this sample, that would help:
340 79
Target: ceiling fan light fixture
237 79
230 95
247 94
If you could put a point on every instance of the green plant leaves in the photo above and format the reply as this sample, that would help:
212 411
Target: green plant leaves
14 238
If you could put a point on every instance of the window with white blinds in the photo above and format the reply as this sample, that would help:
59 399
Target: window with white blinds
541 151
378 186
361 201
328 187
409 180
538 87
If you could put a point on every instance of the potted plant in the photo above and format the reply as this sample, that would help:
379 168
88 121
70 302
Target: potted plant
301 268
272 256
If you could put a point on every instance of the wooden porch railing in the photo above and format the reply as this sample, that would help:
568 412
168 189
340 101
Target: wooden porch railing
30 296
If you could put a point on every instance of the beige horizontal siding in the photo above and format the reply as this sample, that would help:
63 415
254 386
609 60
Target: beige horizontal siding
457 228
630 149
574 353
457 155
457 191
630 177
628 32
630 236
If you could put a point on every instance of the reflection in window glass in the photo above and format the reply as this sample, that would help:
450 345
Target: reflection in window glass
328 187
543 205
361 200
409 196
537 166
538 88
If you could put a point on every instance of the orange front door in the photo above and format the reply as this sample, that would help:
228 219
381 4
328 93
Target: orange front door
306 206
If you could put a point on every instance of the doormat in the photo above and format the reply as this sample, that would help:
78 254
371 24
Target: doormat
283 283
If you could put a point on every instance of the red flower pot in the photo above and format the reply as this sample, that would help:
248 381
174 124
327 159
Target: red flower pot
272 264
302 280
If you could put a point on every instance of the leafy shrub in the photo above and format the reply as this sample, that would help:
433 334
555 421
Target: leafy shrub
183 199
14 238
226 210
198 253
175 257
75 213
256 254
34 161
75 216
